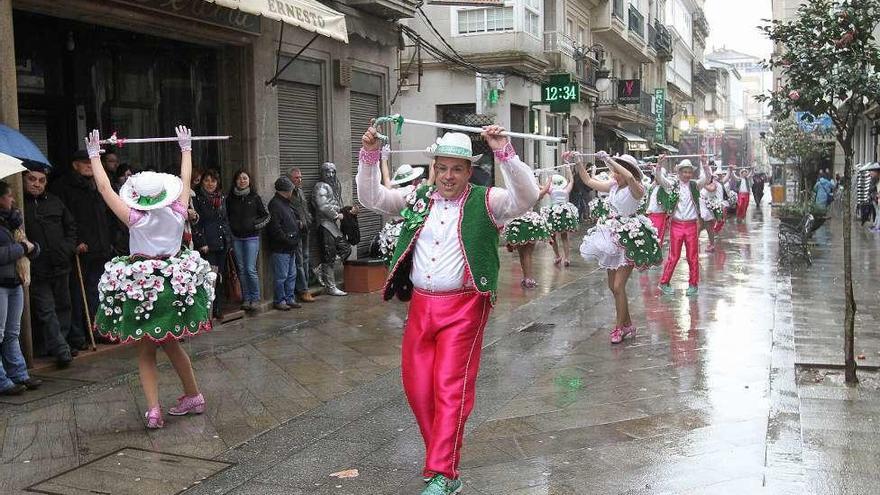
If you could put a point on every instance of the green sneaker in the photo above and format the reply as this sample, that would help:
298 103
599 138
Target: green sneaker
441 485
666 289
692 290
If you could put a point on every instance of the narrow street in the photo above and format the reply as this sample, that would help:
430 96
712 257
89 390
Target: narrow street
704 400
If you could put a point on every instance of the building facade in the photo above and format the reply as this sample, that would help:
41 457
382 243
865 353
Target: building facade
140 67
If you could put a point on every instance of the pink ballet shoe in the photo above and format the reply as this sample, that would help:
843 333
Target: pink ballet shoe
531 283
154 418
710 248
524 283
616 335
187 404
566 262
627 330
557 261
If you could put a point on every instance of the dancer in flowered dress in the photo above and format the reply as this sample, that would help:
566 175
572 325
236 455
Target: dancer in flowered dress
621 239
160 293
522 234
562 217
712 206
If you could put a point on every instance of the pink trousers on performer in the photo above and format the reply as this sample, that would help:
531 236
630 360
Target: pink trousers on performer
683 233
742 204
659 221
442 343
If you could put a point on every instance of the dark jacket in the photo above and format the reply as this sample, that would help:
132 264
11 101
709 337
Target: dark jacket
301 205
282 233
95 226
50 224
10 252
350 226
247 215
212 230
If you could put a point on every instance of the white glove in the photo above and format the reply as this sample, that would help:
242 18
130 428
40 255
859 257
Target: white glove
601 155
92 144
184 138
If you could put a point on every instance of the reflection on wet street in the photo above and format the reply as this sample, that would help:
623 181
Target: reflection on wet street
720 393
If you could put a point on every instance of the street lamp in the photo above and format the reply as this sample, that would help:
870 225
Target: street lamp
703 124
684 125
603 83
739 123
719 125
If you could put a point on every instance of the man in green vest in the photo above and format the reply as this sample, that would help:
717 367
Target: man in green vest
446 263
681 197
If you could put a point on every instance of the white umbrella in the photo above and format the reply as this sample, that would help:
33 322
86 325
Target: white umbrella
10 165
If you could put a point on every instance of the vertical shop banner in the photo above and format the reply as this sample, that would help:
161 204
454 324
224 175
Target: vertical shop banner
660 115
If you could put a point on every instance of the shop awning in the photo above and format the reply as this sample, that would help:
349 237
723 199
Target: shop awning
634 142
666 147
306 14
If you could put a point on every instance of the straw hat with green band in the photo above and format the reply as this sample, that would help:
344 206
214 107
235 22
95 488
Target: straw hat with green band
406 173
455 145
150 190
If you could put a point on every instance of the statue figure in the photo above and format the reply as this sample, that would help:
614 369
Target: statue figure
327 198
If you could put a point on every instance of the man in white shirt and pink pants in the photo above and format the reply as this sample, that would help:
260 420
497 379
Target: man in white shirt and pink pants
446 263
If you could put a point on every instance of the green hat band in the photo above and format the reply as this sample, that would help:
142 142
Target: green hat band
453 150
151 200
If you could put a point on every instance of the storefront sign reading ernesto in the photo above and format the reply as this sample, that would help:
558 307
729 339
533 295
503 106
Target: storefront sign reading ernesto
210 13
468 3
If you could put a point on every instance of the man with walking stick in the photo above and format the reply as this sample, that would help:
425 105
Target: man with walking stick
94 241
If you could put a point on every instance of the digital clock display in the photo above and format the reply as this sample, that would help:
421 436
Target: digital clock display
552 93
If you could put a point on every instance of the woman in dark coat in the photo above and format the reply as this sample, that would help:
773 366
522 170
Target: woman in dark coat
14 378
247 216
211 235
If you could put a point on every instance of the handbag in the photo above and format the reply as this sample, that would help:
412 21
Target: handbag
233 283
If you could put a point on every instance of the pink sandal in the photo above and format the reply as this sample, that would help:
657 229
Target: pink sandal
627 330
616 336
187 404
154 418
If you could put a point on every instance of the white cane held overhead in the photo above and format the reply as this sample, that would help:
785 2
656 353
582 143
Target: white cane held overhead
118 141
399 121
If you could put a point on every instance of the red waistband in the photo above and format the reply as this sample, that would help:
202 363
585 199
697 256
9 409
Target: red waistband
675 220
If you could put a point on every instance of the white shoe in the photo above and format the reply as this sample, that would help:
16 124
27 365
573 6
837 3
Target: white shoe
334 291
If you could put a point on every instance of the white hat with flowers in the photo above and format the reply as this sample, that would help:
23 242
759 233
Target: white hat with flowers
150 190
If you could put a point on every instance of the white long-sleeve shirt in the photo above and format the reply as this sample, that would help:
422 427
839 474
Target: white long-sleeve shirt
438 260
685 209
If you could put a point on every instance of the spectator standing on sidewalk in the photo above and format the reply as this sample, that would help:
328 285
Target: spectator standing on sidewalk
94 243
14 378
247 217
283 237
301 205
48 223
211 235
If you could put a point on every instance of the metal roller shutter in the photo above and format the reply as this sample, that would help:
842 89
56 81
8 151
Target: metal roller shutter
364 107
300 139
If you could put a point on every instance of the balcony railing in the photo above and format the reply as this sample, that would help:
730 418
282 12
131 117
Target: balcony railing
662 41
554 41
617 9
652 36
701 24
636 22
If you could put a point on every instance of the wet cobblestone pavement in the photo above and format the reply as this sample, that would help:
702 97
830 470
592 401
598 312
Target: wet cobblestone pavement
723 393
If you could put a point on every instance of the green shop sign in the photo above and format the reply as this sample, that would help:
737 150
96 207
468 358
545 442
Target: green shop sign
660 115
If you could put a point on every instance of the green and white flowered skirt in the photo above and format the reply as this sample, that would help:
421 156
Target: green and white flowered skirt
561 217
158 299
526 229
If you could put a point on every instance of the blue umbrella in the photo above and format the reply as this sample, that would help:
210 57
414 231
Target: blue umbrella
14 143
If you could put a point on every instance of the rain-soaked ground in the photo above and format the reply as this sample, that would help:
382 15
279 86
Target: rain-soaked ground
734 391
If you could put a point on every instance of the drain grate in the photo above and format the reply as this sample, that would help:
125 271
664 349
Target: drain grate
538 327
132 471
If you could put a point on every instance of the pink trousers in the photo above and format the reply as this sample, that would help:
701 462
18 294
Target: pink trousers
442 343
683 233
742 204
659 221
